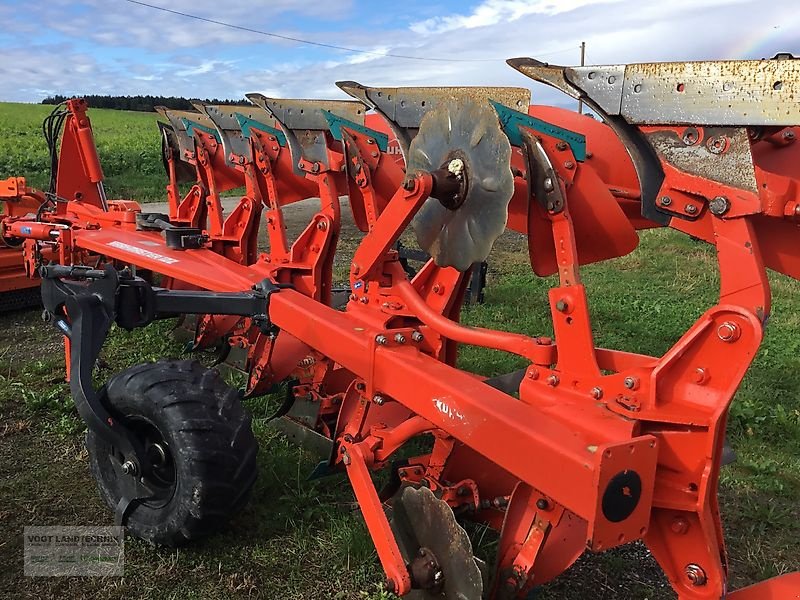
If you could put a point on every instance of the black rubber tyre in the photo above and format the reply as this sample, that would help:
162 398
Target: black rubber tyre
201 439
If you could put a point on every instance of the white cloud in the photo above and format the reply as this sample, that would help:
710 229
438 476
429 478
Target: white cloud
492 12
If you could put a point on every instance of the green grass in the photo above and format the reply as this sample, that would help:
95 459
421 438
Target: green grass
128 143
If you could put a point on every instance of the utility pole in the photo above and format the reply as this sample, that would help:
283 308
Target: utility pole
583 63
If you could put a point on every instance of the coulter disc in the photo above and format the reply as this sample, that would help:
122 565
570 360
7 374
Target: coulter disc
466 139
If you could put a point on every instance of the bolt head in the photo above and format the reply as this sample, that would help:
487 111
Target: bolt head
597 393
690 209
665 200
400 338
129 468
695 574
417 336
719 205
729 332
631 383
378 399
561 305
549 186
542 504
380 340
553 380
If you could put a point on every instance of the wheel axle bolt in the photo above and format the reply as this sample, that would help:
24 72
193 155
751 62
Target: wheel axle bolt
695 574
129 468
400 338
417 336
380 340
729 332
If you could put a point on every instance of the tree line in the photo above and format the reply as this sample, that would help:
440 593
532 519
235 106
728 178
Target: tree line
139 103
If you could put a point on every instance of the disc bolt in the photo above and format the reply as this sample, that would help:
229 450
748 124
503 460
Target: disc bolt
552 380
690 209
719 205
631 383
380 340
129 468
417 336
400 338
597 393
695 574
729 332
378 399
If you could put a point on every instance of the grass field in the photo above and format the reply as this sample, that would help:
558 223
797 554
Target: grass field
128 143
298 539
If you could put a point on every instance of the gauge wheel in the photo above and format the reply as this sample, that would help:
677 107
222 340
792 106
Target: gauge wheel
199 444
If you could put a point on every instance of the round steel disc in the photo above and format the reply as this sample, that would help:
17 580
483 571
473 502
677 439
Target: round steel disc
421 520
469 131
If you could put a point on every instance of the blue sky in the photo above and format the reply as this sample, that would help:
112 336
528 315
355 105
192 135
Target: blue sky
114 47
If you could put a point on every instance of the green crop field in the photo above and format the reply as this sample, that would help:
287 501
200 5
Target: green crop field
300 539
128 143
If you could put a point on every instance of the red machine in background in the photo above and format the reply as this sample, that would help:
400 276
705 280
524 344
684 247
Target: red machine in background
584 448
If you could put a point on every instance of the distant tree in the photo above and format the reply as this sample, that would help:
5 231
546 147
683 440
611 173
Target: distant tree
138 103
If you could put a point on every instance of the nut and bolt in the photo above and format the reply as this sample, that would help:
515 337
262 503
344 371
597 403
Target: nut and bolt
695 574
129 468
561 305
569 165
553 380
728 332
597 393
561 146
417 336
399 338
380 340
719 205
378 399
665 200
690 209
631 383
789 135
408 184
322 225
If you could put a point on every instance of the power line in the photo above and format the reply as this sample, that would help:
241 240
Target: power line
322 44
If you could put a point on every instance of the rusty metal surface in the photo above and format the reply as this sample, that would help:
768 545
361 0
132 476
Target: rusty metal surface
407 105
307 114
732 92
226 124
176 117
745 92
734 167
